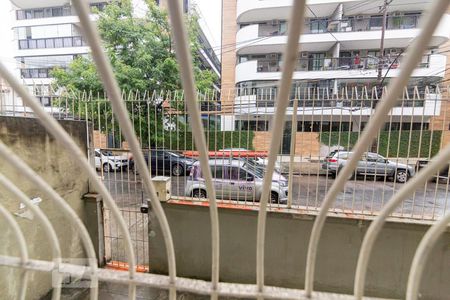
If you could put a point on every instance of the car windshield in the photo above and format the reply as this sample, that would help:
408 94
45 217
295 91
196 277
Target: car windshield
258 172
173 154
107 153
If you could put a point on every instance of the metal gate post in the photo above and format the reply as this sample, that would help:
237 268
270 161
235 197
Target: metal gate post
292 152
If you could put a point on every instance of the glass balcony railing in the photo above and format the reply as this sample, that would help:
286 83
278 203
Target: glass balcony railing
51 12
60 42
347 24
341 63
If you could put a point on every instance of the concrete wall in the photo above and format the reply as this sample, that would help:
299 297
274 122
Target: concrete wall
286 249
28 139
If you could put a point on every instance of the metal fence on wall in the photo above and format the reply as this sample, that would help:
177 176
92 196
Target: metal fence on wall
215 287
317 122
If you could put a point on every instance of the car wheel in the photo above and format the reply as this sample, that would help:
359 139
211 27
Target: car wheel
199 194
177 170
274 197
106 167
401 176
352 176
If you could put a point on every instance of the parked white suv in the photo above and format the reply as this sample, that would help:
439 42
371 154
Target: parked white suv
107 161
237 180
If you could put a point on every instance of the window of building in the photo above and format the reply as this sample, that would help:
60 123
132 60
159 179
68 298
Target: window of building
32 44
77 41
47 12
43 73
28 14
20 14
23 44
318 25
376 22
38 13
49 43
34 73
59 43
57 11
252 125
67 42
325 126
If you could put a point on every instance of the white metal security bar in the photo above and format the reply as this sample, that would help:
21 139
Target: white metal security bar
215 288
414 53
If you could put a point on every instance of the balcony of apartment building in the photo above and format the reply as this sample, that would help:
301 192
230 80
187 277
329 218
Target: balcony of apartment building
55 39
350 32
351 64
31 13
254 11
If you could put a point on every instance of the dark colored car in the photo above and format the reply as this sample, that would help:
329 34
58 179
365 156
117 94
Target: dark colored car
162 161
443 174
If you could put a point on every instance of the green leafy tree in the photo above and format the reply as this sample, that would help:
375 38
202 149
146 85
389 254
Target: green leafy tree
143 59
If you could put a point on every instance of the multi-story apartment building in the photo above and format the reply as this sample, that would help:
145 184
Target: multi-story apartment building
207 55
47 34
339 47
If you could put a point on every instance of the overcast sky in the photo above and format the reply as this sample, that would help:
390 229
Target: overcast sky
209 10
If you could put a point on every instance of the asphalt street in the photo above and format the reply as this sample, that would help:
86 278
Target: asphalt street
365 195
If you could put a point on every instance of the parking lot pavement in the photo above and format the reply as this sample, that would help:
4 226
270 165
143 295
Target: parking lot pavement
362 194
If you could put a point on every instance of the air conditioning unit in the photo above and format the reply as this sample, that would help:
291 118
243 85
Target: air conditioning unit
304 55
273 56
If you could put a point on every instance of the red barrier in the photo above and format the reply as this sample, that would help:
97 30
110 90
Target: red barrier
231 153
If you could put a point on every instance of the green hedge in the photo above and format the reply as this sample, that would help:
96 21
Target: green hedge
216 140
399 142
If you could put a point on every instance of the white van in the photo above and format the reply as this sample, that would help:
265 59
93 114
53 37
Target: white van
236 180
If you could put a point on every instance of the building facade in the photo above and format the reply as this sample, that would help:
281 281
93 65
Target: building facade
47 35
339 58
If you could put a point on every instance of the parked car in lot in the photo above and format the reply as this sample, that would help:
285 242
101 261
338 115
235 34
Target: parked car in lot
261 165
235 179
262 161
107 161
166 161
442 175
371 164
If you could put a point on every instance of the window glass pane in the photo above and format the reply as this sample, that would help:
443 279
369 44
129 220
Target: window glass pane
64 30
20 14
32 44
34 73
68 42
59 43
21 33
57 11
28 14
25 73
38 13
47 12
77 41
217 172
38 32
23 44
376 21
41 43
67 11
43 73
50 43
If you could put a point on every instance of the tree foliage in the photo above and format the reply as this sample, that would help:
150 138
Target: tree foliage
143 59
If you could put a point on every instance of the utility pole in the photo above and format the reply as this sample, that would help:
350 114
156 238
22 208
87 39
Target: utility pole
383 29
